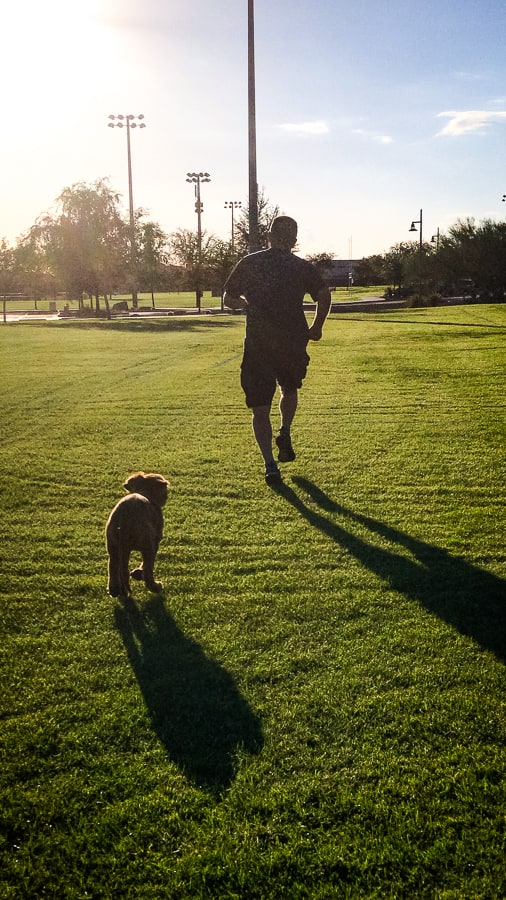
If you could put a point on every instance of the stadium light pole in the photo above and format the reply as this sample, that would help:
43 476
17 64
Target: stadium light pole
252 140
420 250
232 205
197 178
129 122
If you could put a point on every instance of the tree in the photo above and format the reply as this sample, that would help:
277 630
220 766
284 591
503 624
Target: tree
33 273
7 277
396 262
370 270
266 213
152 252
477 253
322 261
85 241
216 259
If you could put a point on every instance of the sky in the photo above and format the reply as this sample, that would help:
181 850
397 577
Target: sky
365 113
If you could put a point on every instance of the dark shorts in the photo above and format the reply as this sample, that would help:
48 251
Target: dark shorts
263 368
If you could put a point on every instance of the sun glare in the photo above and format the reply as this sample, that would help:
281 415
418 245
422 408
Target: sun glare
51 53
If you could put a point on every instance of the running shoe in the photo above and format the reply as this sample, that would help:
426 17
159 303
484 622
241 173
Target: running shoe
272 473
286 453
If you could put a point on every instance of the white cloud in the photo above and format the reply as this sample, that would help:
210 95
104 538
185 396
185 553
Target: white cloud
470 120
374 136
316 127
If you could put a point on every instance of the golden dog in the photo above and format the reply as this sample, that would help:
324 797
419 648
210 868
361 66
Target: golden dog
136 523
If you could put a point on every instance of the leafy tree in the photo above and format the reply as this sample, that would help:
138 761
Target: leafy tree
85 241
152 250
396 263
221 262
322 261
266 213
32 271
492 243
370 270
475 252
7 275
216 259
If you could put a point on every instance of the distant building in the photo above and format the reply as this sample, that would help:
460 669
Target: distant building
339 272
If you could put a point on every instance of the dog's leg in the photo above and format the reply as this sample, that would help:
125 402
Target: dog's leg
114 584
148 563
123 573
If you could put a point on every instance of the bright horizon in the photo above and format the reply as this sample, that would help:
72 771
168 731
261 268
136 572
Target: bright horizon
364 115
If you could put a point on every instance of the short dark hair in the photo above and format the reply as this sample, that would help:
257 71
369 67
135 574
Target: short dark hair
284 226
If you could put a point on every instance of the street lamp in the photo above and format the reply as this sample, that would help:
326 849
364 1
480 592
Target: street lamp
435 239
420 223
232 204
198 178
129 122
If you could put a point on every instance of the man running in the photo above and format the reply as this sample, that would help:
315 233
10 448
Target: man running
271 286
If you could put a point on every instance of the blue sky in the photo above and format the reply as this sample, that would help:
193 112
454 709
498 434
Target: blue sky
365 113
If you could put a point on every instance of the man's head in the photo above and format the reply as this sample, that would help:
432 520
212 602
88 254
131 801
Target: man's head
283 233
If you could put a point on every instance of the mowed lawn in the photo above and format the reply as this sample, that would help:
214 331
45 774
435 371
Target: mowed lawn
316 706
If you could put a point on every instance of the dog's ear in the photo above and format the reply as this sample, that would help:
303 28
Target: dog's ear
155 478
134 482
154 487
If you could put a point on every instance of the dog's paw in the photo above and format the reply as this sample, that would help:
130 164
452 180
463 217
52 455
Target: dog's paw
155 588
138 574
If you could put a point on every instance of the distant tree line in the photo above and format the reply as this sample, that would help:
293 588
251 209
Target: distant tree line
470 259
83 249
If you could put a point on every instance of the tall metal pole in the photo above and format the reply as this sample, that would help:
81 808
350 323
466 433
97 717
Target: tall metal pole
232 205
133 250
198 206
420 252
129 121
195 178
252 143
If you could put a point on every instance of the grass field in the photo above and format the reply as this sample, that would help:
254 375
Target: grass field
178 299
316 706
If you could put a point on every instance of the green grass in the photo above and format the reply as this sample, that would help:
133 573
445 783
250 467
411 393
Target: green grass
316 708
177 299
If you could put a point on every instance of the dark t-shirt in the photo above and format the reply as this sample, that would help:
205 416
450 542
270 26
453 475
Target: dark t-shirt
274 283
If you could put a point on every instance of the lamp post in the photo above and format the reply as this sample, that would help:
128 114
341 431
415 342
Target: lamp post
435 239
129 122
252 140
413 224
232 205
197 178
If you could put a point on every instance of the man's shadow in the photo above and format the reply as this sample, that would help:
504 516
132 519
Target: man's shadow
195 707
470 599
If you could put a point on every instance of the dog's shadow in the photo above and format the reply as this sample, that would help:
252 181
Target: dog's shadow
470 599
194 705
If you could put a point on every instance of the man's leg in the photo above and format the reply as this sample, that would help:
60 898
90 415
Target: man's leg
262 430
287 408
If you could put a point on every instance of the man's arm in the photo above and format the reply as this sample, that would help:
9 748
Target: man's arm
233 297
231 301
323 301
